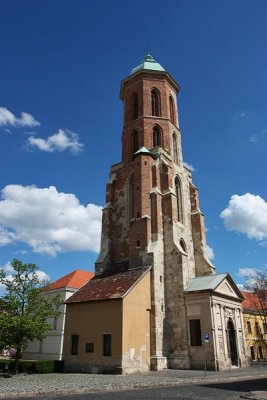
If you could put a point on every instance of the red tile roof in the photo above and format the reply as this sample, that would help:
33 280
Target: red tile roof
251 301
75 280
108 286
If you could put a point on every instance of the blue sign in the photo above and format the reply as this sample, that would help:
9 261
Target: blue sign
206 337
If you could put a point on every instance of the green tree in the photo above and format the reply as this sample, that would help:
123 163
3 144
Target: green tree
24 308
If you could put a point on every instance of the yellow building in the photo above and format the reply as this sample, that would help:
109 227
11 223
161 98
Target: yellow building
255 327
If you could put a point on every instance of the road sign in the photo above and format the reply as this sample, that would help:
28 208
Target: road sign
206 337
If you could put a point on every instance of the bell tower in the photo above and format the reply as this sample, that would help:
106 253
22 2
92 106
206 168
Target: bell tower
152 216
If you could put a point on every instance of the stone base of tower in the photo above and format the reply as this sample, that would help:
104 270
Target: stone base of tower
158 363
179 362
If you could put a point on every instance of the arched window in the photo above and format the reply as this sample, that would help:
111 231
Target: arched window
175 151
155 103
178 192
135 141
172 115
156 136
135 106
131 198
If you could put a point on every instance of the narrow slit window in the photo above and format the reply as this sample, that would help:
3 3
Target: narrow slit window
175 150
178 192
131 198
172 115
156 136
155 106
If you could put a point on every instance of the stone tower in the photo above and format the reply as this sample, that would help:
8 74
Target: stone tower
152 216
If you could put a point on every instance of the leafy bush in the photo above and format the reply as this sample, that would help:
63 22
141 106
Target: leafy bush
33 366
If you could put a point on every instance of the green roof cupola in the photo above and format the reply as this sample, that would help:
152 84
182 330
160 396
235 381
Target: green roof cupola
148 63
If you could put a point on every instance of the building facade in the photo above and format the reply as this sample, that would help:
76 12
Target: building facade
152 220
51 347
255 324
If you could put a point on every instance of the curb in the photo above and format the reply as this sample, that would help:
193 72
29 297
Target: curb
256 395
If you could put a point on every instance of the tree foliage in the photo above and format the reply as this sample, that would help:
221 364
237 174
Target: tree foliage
24 308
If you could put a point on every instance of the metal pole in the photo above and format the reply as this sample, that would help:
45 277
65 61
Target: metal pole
206 353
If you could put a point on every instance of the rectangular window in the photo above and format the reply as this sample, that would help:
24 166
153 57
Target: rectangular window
249 326
107 345
74 345
89 347
265 327
257 328
195 332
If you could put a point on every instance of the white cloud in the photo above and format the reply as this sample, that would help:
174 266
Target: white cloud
254 138
210 252
240 286
60 141
263 244
7 118
189 166
247 272
246 214
48 221
41 275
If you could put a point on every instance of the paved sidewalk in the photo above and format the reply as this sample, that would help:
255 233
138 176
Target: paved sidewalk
59 384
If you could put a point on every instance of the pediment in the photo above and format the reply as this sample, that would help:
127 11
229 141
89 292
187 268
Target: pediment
227 288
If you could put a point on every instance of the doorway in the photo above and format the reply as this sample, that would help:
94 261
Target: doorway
232 342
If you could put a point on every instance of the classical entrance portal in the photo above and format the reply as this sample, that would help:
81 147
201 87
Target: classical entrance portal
232 342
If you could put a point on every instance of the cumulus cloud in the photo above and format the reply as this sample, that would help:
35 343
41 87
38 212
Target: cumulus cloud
210 252
48 221
246 214
8 270
189 166
7 118
60 141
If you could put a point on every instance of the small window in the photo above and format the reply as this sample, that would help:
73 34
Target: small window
257 328
107 345
155 103
74 345
252 353
138 243
156 136
131 198
182 244
89 347
195 332
264 327
249 326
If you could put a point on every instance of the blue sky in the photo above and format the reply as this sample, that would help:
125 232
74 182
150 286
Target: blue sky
61 66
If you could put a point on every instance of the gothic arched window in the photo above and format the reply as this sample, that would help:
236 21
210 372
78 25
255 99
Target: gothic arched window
178 192
131 198
155 103
135 141
172 114
175 150
156 136
135 106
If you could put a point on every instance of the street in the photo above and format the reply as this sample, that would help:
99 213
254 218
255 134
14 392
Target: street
209 391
